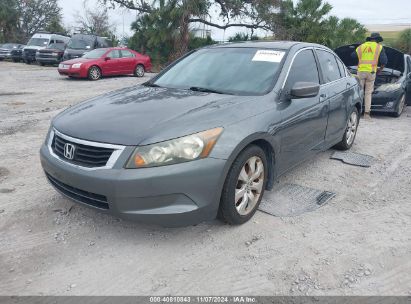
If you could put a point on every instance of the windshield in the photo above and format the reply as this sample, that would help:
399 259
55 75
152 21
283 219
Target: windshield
57 46
241 71
81 43
9 46
38 42
97 53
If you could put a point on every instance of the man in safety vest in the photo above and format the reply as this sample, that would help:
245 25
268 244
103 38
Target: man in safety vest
369 55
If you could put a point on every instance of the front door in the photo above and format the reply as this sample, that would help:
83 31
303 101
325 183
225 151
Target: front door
304 120
338 89
111 65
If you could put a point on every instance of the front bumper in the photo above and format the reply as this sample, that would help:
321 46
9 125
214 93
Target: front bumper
73 72
176 195
5 56
48 60
386 102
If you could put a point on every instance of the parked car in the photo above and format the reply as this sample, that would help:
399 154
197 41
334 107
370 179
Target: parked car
207 135
41 41
392 86
52 54
80 44
106 62
11 51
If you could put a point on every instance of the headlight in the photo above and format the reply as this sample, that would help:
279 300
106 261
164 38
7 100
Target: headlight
389 87
76 65
183 149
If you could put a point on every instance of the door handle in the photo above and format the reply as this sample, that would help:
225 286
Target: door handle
323 96
348 85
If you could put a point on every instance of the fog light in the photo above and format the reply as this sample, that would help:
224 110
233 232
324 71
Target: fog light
389 104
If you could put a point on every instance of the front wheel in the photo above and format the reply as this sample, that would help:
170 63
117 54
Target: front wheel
400 107
244 186
139 70
350 131
94 73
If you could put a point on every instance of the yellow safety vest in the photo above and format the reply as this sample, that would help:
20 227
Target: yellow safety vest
368 55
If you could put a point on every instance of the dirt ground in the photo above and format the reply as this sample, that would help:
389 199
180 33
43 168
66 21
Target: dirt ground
357 244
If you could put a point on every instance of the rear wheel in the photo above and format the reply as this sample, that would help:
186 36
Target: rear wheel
350 131
400 107
94 73
244 186
139 70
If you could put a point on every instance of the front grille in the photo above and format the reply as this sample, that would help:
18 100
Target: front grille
89 198
30 52
84 155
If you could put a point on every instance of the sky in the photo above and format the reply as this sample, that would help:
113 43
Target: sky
365 11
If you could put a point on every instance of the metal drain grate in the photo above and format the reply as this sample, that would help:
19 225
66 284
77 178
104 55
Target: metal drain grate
293 200
352 158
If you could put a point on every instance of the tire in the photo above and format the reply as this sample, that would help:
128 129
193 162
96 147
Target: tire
42 63
139 70
237 212
94 73
16 60
400 107
350 131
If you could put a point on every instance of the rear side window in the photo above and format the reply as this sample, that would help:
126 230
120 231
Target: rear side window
409 64
329 66
303 69
126 54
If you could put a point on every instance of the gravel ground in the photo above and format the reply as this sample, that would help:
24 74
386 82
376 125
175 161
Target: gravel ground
358 244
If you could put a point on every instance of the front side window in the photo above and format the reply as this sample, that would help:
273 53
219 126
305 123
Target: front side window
114 54
329 66
241 71
303 69
343 70
95 54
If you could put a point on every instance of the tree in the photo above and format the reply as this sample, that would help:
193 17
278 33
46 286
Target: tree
95 21
309 20
36 15
242 37
171 19
404 41
8 20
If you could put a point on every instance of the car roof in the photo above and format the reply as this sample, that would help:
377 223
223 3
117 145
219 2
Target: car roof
285 45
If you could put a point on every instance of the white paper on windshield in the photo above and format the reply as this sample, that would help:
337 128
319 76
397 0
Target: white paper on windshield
268 55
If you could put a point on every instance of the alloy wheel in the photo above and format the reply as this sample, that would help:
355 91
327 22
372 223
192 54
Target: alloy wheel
139 71
95 73
352 127
249 185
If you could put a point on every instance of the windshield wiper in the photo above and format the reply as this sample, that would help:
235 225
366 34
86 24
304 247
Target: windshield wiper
151 84
206 90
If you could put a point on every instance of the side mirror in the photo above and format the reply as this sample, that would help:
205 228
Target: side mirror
107 58
305 90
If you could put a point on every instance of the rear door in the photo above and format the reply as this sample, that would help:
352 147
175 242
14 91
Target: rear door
305 119
335 89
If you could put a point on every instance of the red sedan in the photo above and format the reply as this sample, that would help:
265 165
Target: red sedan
106 62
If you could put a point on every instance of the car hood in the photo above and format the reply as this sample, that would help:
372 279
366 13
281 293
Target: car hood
34 47
143 115
78 60
395 57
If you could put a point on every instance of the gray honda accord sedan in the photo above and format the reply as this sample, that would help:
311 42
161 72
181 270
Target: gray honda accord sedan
206 136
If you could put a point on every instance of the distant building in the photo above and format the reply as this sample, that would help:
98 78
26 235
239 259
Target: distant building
201 32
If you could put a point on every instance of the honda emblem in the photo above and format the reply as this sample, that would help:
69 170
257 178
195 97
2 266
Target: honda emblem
69 151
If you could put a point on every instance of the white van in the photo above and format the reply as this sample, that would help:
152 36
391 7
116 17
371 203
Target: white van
40 41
